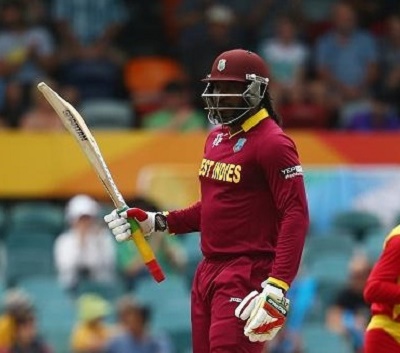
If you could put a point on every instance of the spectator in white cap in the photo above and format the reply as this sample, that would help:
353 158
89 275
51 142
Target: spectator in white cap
85 250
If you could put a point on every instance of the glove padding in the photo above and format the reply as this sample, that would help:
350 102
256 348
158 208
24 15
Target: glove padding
120 227
265 313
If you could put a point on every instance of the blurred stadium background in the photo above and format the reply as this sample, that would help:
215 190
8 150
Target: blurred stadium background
129 67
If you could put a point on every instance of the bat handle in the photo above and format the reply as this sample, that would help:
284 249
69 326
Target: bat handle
146 252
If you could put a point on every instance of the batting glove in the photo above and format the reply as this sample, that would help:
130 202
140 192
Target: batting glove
265 312
149 222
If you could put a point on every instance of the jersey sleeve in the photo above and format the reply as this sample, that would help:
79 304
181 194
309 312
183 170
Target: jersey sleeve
284 175
383 284
186 220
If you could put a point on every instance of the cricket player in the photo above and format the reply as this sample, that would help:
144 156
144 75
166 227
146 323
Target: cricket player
252 213
383 292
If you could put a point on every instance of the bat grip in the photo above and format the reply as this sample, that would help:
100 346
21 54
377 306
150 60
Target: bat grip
146 252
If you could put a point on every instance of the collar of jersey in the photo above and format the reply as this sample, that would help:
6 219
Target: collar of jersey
254 120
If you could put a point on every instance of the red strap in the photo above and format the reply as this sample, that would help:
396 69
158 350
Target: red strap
137 213
280 320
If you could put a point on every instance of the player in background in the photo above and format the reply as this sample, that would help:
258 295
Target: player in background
252 213
383 292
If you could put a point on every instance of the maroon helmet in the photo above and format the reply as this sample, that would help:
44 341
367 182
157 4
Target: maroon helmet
236 65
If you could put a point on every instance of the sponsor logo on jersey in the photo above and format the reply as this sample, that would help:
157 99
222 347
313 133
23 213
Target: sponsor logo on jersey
221 65
220 171
292 172
237 300
217 140
239 144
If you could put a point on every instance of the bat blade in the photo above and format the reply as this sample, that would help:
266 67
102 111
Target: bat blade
77 127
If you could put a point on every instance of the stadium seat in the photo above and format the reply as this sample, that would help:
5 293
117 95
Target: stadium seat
319 245
331 267
191 245
175 303
28 254
24 263
37 216
145 77
396 220
171 186
42 288
3 262
3 218
105 208
108 114
109 291
179 328
173 288
55 309
317 339
29 239
330 272
373 244
357 223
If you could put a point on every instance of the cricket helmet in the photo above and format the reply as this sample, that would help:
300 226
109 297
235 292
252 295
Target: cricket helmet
236 65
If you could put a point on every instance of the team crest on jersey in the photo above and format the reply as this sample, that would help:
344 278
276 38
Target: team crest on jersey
221 65
217 140
239 144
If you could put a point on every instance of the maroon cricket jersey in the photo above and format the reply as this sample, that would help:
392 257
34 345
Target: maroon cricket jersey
253 199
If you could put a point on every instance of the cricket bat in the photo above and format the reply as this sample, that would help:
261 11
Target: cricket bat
76 125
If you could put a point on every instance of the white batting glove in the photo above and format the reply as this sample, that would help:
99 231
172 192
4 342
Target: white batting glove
149 222
265 313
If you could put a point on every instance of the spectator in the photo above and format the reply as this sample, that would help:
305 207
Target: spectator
87 30
379 116
27 339
346 56
348 315
16 303
37 12
86 249
144 33
15 105
390 61
88 26
370 12
286 58
91 334
41 116
307 106
3 123
198 53
260 17
176 112
168 251
135 336
316 12
252 18
26 53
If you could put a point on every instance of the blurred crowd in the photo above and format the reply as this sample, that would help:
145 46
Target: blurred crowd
94 287
91 332
333 64
93 282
